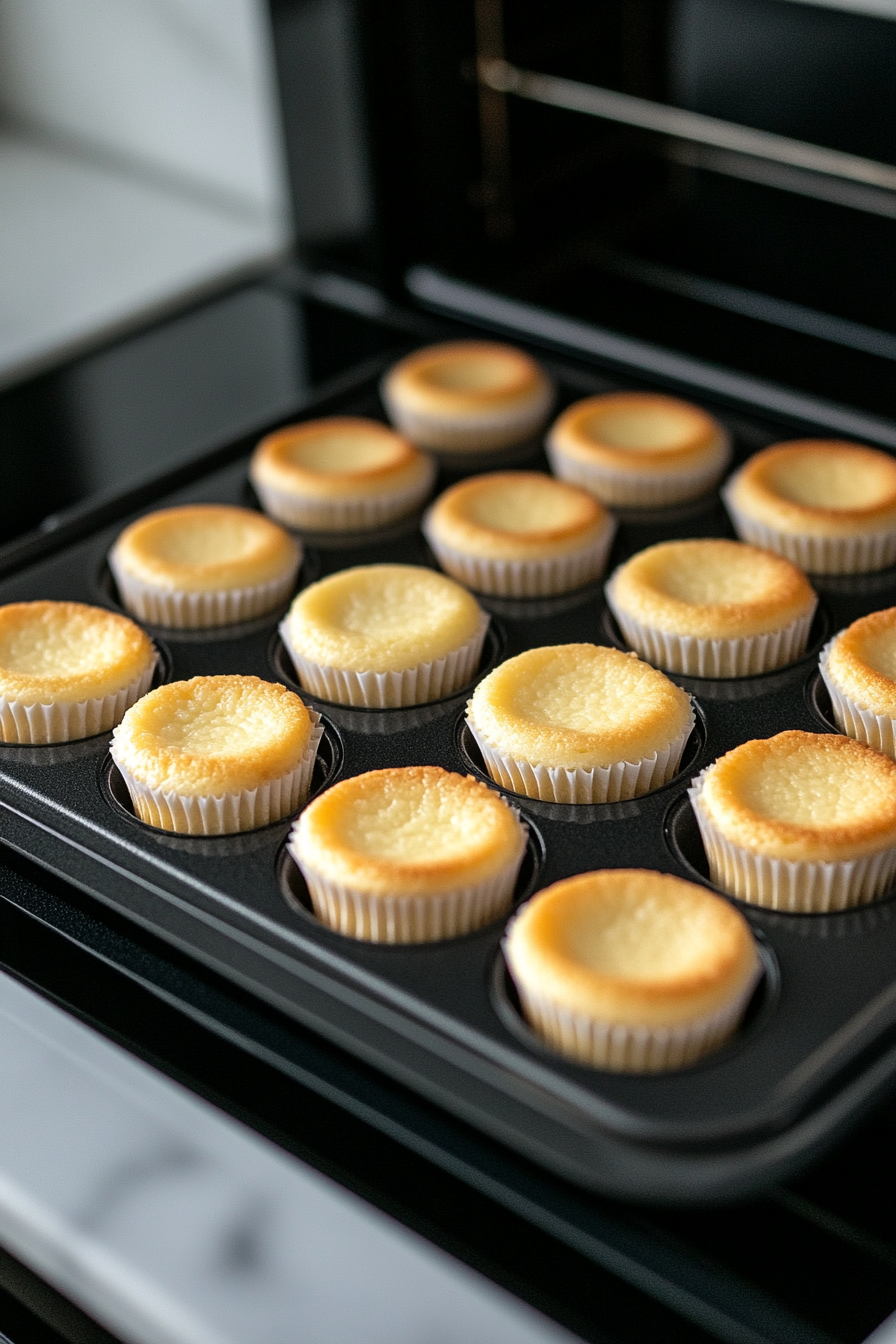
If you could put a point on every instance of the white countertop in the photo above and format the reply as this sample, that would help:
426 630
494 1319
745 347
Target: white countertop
170 1223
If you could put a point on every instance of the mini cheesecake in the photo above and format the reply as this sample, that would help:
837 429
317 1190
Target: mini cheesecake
204 565
339 474
383 636
215 755
639 449
859 670
830 506
463 398
408 854
519 534
577 723
801 821
631 970
68 670
712 608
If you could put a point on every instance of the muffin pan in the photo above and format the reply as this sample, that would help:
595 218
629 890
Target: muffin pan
819 1040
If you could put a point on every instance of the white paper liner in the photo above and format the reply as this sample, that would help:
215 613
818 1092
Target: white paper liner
202 611
878 730
390 690
410 919
525 578
344 515
798 886
603 784
38 725
627 1048
471 431
714 658
816 555
633 489
225 814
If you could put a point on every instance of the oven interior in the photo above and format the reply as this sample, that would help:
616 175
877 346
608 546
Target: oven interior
715 176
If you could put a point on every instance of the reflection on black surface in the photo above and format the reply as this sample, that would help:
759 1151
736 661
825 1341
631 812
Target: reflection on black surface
159 398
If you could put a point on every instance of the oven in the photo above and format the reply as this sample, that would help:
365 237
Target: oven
693 195
713 176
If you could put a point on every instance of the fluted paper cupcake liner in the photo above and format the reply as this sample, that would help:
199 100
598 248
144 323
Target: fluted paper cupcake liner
228 813
470 433
344 515
631 489
629 1048
38 725
714 658
202 611
797 886
817 555
410 919
525 578
603 784
878 730
389 690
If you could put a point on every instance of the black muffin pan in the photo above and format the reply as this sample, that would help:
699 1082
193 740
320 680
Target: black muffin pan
818 1043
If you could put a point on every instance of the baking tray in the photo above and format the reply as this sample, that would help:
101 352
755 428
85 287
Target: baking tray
818 1044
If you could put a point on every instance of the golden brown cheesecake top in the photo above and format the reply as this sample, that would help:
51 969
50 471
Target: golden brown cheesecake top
817 797
382 618
201 548
213 735
631 946
818 487
460 378
642 432
713 589
578 706
862 662
338 457
410 831
66 652
516 515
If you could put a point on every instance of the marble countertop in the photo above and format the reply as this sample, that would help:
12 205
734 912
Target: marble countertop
170 1223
